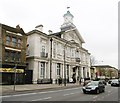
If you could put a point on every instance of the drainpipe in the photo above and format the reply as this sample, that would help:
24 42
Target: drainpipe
51 60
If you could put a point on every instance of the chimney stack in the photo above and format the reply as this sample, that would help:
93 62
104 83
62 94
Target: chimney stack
39 27
18 27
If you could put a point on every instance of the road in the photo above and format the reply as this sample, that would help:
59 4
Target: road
71 94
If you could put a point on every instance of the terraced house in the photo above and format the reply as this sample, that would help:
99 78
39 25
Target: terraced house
12 54
57 55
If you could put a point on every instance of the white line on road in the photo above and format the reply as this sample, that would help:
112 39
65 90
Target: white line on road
108 94
95 96
42 99
103 97
71 93
39 92
109 91
18 95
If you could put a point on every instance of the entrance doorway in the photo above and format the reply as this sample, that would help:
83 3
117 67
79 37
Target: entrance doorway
74 74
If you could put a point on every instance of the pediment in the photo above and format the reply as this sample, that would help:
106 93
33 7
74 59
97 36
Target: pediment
74 35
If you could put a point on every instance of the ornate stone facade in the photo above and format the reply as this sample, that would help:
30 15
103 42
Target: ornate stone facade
59 54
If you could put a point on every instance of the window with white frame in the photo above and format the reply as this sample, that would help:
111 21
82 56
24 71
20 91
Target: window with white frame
14 41
8 40
42 70
19 43
43 48
58 69
77 54
57 46
54 49
68 51
72 52
61 49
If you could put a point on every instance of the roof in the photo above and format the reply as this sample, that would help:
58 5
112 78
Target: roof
103 66
36 31
68 13
57 34
12 29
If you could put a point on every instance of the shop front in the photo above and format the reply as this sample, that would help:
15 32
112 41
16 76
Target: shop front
8 76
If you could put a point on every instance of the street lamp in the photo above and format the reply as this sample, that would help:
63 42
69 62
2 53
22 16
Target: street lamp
73 42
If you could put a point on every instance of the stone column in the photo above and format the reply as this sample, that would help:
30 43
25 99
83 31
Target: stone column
45 70
48 70
54 72
35 72
61 71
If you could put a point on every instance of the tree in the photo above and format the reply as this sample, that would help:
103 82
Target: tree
92 60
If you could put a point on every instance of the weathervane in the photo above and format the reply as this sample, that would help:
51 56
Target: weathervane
68 7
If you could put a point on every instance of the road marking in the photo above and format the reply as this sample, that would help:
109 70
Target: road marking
103 97
108 94
42 99
98 99
71 93
18 95
95 96
39 92
109 91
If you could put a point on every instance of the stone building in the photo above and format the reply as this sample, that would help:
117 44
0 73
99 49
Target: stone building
12 54
54 55
103 71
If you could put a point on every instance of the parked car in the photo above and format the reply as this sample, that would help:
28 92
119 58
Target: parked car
104 82
86 82
94 87
109 81
115 82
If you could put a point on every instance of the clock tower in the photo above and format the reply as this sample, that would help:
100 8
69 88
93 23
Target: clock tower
68 21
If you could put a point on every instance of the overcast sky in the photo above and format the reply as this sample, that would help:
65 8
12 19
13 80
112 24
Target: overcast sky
96 20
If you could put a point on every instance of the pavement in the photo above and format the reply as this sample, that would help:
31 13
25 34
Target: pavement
12 89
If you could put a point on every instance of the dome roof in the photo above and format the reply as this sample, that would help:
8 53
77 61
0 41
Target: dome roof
68 14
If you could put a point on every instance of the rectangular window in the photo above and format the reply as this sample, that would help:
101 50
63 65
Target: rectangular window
43 49
13 56
14 41
6 55
19 43
54 50
7 40
58 69
72 52
42 71
18 56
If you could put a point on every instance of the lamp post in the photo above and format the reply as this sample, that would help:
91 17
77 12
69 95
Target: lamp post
73 42
14 76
